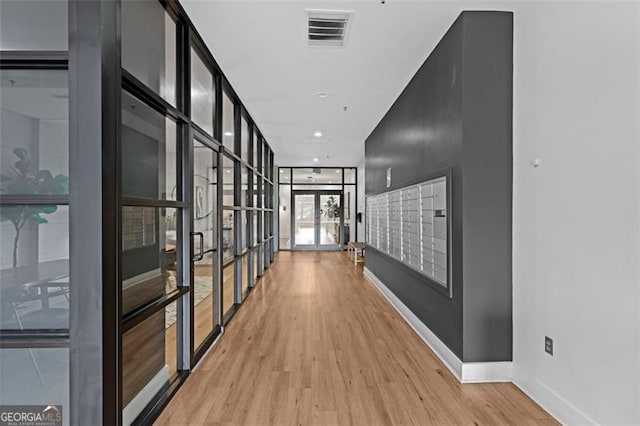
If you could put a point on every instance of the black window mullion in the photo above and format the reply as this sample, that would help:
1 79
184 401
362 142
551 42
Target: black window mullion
138 89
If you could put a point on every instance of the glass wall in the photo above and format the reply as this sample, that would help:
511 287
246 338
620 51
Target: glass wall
181 218
202 94
34 232
205 214
35 208
341 179
149 50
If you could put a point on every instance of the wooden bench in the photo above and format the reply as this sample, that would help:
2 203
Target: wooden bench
358 251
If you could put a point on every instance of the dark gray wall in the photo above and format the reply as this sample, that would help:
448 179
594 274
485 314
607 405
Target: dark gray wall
487 185
456 113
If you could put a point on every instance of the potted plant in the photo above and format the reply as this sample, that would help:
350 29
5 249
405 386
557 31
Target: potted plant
27 179
332 211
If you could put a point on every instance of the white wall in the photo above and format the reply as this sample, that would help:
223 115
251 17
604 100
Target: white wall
576 216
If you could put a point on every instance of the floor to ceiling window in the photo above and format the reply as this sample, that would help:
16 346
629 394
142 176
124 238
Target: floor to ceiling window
317 207
185 197
35 288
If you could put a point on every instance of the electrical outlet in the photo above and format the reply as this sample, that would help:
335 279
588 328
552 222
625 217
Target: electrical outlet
548 345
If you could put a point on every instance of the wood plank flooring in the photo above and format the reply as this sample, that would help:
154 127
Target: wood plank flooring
317 344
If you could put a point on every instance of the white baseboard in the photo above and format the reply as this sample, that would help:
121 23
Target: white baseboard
565 412
137 404
487 372
465 372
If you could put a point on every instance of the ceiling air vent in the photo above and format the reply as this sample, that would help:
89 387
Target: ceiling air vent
328 27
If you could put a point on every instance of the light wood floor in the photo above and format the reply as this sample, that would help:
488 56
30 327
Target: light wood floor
315 343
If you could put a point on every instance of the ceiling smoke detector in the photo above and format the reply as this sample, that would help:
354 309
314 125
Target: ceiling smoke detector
328 28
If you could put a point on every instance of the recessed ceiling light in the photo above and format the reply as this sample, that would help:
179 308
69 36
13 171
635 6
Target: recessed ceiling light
318 134
315 160
228 133
322 95
337 171
228 171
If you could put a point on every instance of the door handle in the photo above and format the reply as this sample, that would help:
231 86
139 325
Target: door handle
200 255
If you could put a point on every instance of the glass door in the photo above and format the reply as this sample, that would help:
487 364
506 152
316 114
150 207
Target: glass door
204 262
304 220
316 220
330 218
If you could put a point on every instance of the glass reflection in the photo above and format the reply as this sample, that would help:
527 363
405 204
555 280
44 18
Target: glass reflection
149 259
149 151
227 122
204 223
202 94
34 263
149 50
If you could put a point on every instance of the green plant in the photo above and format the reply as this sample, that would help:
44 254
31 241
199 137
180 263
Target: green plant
332 208
28 180
332 211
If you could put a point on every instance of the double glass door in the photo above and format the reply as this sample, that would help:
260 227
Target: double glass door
316 220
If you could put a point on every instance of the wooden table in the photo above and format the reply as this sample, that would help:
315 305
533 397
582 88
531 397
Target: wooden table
356 248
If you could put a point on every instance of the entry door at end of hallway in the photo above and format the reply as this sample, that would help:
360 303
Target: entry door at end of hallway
316 220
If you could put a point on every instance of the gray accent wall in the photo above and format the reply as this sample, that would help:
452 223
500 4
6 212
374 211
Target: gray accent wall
456 113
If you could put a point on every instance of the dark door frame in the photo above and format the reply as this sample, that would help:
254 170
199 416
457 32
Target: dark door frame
198 351
317 246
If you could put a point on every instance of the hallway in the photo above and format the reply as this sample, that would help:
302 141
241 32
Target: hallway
316 343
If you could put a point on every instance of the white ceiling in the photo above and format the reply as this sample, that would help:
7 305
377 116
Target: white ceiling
261 47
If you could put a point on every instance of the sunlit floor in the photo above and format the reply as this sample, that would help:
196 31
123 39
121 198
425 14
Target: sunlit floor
316 343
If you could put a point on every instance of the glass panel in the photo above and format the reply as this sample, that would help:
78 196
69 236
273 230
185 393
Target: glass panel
244 188
259 261
243 230
350 175
305 221
35 377
149 357
285 216
34 132
202 94
228 244
227 122
260 160
204 221
254 239
149 254
227 287
227 180
256 180
349 213
265 161
244 139
148 151
265 226
244 274
34 263
284 175
254 259
33 25
149 50
256 142
317 175
330 219
259 236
